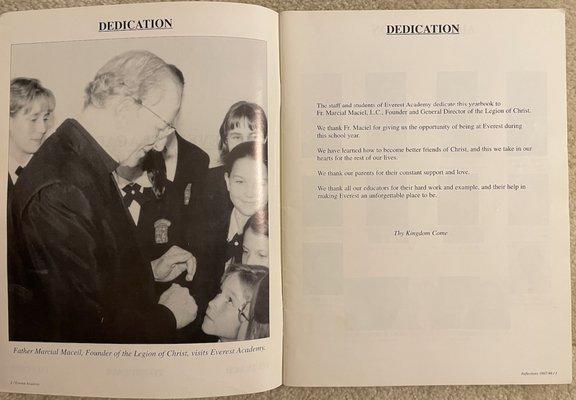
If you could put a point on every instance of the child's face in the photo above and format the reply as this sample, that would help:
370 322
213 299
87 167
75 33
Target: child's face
28 129
242 133
255 248
248 185
223 316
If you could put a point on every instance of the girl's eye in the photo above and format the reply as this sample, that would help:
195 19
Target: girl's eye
238 181
33 119
263 255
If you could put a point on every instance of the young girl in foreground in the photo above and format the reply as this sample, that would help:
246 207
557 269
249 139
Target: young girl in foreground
242 302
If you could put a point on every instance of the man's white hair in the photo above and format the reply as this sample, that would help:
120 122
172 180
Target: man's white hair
133 74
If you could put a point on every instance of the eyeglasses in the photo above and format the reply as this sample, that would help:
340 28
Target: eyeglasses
168 127
241 313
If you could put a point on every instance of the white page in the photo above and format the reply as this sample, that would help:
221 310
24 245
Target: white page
236 58
427 264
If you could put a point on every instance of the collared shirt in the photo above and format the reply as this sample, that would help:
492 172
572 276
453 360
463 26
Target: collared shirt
235 233
171 158
234 227
143 181
13 167
13 175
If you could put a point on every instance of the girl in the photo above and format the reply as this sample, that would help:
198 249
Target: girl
31 117
255 239
228 314
246 181
243 122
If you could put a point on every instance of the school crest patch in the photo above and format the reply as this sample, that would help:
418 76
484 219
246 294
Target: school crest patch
161 230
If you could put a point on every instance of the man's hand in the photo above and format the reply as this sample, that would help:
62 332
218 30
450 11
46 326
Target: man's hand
172 263
178 300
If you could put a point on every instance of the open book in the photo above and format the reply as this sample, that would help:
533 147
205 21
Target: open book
212 199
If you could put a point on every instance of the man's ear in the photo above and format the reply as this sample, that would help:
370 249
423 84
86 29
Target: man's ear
227 179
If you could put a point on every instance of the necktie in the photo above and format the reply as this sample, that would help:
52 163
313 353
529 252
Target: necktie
18 170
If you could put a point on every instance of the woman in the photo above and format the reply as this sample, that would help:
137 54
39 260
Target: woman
31 117
228 314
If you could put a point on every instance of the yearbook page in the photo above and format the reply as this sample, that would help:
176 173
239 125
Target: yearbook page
141 151
425 198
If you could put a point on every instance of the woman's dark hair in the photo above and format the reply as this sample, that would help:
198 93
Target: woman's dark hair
254 150
251 112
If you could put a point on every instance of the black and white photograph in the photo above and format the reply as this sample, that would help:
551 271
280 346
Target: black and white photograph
137 203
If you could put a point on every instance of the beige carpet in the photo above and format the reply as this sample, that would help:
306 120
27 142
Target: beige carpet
556 392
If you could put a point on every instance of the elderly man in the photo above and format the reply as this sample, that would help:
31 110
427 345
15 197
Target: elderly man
80 259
